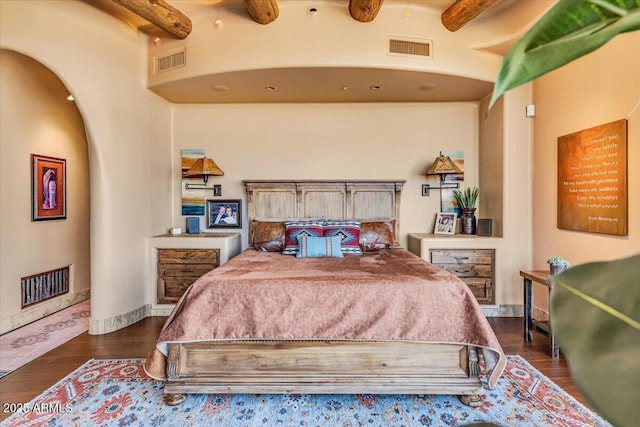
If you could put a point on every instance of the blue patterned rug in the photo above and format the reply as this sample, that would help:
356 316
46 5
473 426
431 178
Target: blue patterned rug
118 393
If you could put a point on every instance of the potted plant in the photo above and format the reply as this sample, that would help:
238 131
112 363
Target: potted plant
467 201
557 264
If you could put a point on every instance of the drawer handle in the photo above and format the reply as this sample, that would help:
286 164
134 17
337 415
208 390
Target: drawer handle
464 270
460 258
188 271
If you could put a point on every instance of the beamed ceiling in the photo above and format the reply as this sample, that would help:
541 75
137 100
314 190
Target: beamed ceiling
170 18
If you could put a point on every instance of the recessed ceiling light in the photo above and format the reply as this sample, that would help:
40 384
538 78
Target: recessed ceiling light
375 87
428 86
70 98
312 12
270 88
218 24
220 88
345 87
405 14
157 41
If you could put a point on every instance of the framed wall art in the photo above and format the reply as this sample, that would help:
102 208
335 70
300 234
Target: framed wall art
592 180
192 199
224 213
48 188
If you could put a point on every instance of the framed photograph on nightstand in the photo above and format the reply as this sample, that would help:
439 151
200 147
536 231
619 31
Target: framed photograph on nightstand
224 213
445 223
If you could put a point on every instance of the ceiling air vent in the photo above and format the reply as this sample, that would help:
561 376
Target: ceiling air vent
407 46
171 61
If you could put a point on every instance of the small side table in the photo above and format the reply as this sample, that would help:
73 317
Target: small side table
541 277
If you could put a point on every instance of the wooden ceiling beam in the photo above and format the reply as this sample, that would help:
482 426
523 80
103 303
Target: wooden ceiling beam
461 12
263 11
364 10
161 14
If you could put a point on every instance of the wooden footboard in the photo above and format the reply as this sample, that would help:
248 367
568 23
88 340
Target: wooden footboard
322 367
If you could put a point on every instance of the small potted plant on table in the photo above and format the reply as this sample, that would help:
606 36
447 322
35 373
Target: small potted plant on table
467 201
557 265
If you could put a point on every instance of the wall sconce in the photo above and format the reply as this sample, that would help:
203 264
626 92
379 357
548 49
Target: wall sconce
442 166
204 168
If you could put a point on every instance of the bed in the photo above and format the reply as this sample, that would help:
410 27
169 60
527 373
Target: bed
377 321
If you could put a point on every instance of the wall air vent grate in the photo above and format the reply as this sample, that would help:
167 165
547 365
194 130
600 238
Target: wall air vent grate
42 286
170 61
407 46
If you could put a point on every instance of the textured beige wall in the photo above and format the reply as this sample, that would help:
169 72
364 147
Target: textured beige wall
492 164
322 141
599 88
37 119
103 62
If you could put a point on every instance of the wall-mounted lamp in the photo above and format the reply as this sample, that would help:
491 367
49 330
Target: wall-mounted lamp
442 166
204 168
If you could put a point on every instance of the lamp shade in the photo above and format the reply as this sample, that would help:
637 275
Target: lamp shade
443 165
204 168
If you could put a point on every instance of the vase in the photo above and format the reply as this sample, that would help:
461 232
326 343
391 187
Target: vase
556 269
469 221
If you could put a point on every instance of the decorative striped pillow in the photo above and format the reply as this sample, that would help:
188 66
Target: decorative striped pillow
318 247
293 229
349 232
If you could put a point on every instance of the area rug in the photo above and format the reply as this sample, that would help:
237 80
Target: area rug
118 393
22 345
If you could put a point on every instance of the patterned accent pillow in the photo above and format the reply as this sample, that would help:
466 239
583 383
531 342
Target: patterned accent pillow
293 229
319 247
349 232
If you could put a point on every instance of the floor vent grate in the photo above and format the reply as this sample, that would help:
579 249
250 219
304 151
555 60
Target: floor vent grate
42 286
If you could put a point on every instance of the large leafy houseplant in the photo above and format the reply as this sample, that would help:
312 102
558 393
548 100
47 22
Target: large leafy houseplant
569 30
595 312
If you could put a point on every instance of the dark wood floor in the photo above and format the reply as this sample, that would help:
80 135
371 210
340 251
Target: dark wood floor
136 340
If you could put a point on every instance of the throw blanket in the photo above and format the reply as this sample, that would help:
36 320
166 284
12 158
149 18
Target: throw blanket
383 296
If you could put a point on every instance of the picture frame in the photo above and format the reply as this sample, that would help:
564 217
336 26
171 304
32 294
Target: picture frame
48 188
224 213
445 223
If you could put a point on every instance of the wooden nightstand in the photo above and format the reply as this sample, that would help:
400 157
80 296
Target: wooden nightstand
179 268
470 257
474 266
179 260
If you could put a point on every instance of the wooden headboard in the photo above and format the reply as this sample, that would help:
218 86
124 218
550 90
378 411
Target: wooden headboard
331 199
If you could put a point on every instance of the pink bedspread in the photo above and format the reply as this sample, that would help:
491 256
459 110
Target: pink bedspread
392 295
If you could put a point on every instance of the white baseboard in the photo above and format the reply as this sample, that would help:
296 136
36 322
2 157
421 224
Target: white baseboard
104 326
503 310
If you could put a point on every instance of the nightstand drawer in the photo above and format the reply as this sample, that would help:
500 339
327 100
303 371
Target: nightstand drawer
462 256
187 256
468 270
174 287
482 289
179 270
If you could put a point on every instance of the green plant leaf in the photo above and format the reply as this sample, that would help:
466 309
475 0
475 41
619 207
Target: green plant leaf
569 30
595 315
